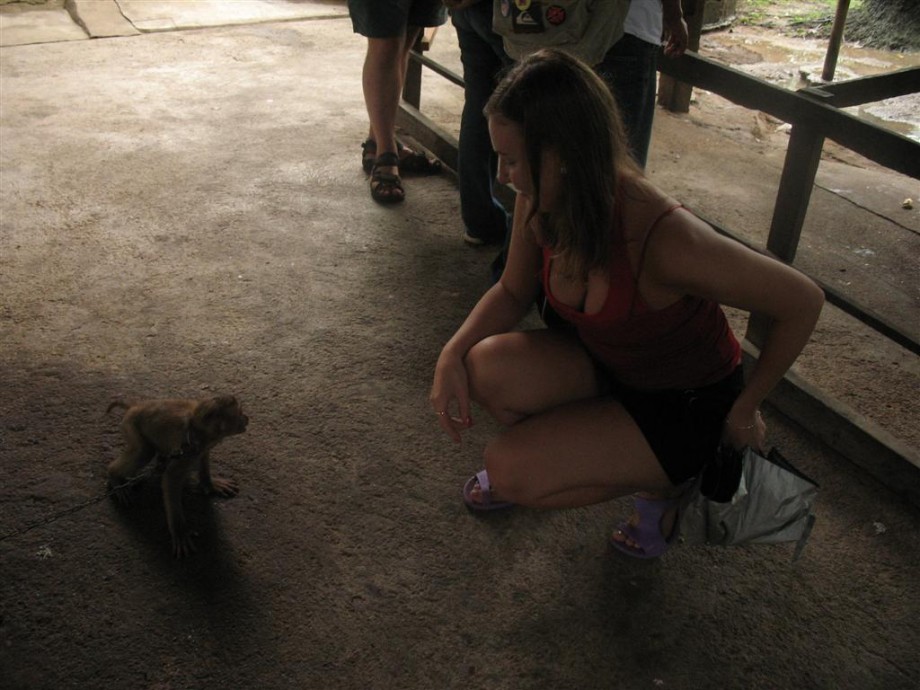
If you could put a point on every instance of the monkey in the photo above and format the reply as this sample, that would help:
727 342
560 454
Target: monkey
180 433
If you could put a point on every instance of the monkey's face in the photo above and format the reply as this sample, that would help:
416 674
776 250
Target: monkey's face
221 416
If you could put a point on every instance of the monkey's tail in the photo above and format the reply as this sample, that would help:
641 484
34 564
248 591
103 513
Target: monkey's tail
117 403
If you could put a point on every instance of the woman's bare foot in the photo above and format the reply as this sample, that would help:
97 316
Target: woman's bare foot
652 507
479 495
476 495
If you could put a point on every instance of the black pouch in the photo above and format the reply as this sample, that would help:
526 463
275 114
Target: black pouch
721 476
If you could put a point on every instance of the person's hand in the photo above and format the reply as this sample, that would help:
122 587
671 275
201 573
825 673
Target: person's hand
744 430
459 4
675 33
451 384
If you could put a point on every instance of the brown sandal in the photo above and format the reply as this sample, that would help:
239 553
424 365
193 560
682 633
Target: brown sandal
386 188
409 161
417 162
368 155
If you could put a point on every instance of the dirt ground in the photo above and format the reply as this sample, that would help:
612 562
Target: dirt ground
183 214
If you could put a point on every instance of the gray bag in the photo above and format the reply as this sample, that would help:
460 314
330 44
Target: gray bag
771 502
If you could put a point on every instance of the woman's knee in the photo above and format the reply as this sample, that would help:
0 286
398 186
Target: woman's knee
487 365
514 375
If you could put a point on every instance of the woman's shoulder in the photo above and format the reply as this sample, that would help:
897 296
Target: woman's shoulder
638 190
642 205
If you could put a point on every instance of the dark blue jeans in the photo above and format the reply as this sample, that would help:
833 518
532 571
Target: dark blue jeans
629 67
483 59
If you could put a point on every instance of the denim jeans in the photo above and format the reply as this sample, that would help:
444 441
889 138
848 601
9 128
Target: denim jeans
629 67
483 59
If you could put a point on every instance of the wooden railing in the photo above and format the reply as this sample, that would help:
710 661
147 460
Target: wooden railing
815 115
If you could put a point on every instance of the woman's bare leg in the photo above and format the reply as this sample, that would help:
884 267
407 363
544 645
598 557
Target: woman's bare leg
573 455
565 445
515 375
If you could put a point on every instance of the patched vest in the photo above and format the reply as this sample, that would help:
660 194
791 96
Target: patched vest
586 29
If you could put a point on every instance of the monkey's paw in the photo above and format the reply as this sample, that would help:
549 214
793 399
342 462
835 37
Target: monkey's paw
224 487
183 543
121 493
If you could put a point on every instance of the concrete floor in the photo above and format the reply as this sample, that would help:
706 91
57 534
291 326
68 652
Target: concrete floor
183 211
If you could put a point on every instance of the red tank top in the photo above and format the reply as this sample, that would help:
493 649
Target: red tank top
685 345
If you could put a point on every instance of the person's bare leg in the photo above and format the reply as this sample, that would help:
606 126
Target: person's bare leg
514 375
565 445
383 78
577 454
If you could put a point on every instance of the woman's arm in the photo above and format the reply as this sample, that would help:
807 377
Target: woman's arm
686 255
499 310
505 303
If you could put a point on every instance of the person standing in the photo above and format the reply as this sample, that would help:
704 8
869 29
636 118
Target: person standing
391 27
630 67
621 39
485 220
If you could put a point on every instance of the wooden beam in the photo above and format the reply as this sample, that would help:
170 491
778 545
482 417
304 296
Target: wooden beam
862 441
412 87
881 145
833 296
871 89
437 68
430 135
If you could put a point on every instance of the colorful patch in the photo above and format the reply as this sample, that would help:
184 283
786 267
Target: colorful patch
528 21
555 15
522 5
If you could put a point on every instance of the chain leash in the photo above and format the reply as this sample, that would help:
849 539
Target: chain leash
80 506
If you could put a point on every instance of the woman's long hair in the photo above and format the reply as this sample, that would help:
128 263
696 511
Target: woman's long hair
562 105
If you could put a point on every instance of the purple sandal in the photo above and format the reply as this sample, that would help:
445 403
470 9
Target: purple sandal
482 478
647 534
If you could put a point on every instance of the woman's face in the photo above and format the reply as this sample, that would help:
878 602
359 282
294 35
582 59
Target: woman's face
514 168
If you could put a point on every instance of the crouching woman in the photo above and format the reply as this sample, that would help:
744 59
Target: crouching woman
642 382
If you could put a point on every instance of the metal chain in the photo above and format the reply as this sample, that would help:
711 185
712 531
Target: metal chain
80 506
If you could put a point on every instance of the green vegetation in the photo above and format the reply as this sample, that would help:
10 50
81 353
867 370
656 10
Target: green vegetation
885 24
799 16
754 12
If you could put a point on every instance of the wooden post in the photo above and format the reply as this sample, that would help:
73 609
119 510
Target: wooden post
795 186
802 158
833 45
412 88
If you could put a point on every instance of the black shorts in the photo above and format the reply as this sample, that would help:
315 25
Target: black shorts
683 427
389 18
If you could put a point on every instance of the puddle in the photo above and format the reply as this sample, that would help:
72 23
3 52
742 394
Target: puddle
794 63
900 114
